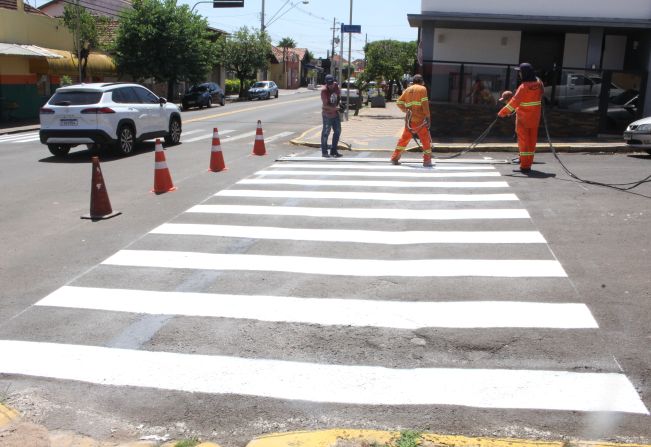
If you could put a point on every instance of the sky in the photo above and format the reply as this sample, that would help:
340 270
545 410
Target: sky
310 24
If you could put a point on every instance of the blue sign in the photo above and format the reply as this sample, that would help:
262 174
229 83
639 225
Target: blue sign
351 28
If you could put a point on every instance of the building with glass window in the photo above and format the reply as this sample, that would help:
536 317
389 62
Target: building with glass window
593 56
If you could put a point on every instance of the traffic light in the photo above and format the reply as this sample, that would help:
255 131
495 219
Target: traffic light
227 3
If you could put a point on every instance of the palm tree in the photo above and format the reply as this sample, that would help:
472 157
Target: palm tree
285 43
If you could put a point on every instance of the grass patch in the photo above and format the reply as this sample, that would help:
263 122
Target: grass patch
192 442
408 438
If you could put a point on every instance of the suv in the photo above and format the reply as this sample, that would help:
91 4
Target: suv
106 114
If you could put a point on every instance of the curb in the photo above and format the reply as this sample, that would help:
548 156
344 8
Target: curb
329 438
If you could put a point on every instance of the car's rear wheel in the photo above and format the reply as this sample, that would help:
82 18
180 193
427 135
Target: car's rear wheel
59 150
174 137
126 140
276 96
209 103
222 101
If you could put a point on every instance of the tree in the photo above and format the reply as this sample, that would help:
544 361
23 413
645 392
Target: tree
85 28
158 39
244 53
285 43
389 59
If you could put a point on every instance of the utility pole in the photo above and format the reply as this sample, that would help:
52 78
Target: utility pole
332 61
350 40
79 39
341 53
262 18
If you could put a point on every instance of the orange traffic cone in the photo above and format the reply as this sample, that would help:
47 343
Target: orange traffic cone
258 146
162 178
216 157
100 205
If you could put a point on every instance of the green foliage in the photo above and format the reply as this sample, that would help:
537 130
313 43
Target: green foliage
408 438
233 86
192 442
66 80
85 28
389 59
158 39
244 53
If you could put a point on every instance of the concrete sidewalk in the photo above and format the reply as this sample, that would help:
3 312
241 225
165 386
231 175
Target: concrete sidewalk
378 129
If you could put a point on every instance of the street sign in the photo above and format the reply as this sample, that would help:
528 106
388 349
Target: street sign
227 3
351 28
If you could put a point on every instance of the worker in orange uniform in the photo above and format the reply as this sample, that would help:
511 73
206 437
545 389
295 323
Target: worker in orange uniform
526 103
414 102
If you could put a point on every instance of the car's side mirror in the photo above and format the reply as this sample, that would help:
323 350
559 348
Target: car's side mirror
162 100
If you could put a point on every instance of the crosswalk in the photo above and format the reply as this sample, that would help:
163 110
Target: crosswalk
189 136
318 249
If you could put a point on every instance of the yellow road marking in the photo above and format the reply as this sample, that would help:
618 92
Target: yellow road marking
233 112
7 415
329 438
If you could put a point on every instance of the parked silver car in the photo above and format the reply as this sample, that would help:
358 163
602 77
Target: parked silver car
263 90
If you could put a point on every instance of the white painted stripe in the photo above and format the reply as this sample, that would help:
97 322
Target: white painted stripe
373 183
160 165
363 385
26 140
339 267
352 195
329 312
430 174
363 213
360 159
278 136
355 236
13 136
190 132
205 136
327 165
239 137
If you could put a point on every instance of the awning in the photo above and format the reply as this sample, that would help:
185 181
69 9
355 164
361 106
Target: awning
13 49
65 63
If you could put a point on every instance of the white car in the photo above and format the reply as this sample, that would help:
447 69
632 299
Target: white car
638 134
102 115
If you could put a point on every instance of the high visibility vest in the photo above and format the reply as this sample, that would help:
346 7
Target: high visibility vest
526 103
414 98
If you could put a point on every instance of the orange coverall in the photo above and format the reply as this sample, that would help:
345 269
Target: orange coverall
527 104
414 98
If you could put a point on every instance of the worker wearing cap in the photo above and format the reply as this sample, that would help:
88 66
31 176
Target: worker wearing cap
526 103
415 103
330 97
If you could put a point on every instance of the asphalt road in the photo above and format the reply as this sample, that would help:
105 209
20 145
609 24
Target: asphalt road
225 343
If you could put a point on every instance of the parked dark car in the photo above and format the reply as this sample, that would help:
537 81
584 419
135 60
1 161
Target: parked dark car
203 95
263 90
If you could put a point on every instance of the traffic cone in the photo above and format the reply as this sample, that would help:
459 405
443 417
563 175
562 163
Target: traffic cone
216 157
100 205
258 146
162 178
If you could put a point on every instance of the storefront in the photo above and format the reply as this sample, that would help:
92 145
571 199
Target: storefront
595 68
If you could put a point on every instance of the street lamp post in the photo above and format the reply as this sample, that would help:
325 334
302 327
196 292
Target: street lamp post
350 22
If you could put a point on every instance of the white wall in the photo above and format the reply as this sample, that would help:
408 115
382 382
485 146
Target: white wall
487 46
576 50
606 9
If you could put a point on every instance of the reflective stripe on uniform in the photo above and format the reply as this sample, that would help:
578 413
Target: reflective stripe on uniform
508 106
530 104
524 154
401 148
